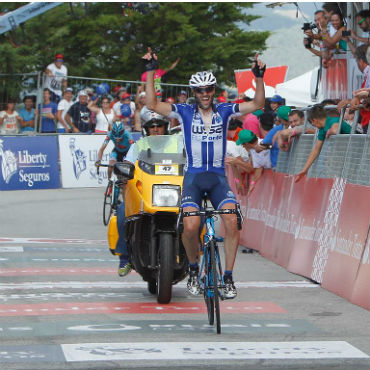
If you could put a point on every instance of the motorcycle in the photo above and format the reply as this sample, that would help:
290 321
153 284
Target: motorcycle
152 200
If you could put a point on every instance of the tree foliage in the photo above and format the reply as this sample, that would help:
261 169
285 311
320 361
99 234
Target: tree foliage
108 39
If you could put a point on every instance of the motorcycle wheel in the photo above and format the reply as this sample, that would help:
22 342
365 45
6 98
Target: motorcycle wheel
165 268
152 286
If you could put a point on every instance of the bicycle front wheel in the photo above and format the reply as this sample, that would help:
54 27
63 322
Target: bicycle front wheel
215 279
207 291
107 208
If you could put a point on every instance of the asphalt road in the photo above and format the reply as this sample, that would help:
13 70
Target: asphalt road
62 305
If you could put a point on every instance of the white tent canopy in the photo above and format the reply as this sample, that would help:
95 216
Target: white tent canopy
297 91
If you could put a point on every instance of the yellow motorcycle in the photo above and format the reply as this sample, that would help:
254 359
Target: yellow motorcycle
152 200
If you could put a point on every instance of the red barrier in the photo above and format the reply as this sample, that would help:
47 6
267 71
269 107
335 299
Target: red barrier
317 228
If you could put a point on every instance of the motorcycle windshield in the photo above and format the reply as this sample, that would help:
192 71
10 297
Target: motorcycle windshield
162 149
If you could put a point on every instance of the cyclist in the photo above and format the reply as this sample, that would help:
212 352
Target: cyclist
204 126
155 125
122 141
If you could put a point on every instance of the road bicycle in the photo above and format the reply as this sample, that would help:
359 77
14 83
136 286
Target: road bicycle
112 196
211 277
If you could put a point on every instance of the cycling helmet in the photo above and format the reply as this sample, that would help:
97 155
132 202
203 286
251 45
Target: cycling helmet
118 129
202 79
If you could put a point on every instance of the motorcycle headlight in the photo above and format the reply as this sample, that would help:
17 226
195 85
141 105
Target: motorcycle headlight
166 195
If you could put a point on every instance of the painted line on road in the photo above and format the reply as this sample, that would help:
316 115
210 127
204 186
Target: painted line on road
179 351
35 285
50 241
56 271
78 308
185 351
47 249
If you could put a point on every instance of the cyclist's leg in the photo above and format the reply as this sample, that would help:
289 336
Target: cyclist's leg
222 197
124 266
112 161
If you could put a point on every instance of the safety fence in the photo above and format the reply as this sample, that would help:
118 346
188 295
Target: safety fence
18 86
319 227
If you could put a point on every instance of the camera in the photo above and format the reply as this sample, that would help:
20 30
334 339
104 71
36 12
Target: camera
346 33
308 26
307 42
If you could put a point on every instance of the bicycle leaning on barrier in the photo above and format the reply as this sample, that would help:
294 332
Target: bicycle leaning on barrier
211 278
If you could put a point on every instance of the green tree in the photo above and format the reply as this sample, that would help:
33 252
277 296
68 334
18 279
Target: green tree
108 40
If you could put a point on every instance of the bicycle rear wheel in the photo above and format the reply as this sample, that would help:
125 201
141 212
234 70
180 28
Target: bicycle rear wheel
215 279
207 291
107 208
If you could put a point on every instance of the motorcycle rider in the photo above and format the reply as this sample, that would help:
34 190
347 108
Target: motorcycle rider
122 141
155 124
204 126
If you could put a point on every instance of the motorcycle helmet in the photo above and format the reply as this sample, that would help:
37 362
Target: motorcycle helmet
202 79
150 118
118 129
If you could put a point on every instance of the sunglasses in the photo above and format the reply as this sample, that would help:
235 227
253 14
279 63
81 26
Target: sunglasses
201 90
361 21
156 124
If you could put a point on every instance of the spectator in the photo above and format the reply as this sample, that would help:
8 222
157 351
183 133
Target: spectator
266 123
233 129
251 122
124 99
56 78
296 118
282 121
327 126
105 116
28 115
78 115
48 110
63 107
116 90
159 73
181 98
223 97
363 21
9 119
315 38
275 102
259 159
334 39
140 101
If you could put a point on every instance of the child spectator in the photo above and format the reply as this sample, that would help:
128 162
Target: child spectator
10 119
63 107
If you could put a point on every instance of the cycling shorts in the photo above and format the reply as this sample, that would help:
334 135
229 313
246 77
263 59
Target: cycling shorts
215 185
118 156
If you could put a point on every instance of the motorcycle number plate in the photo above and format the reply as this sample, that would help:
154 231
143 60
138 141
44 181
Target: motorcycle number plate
166 169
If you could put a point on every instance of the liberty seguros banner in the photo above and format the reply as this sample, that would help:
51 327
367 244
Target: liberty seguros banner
29 163
78 154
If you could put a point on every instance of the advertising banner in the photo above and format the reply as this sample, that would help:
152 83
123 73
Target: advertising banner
246 82
29 163
78 154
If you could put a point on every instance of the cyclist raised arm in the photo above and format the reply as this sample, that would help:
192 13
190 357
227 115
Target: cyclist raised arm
204 126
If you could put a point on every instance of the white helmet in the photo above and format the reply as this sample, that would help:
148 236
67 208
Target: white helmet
202 79
149 117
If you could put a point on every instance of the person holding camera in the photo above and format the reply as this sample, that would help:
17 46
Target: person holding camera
314 38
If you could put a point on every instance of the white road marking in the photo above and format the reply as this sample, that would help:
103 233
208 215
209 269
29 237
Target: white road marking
11 249
141 284
209 351
6 240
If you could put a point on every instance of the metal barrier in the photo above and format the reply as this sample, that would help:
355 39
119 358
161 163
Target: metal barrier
17 86
343 155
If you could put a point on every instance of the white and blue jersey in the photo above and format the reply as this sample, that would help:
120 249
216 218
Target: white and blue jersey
205 151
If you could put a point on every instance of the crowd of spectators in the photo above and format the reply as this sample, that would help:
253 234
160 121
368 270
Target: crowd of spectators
64 109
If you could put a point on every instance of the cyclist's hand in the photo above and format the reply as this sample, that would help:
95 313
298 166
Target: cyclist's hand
150 60
258 67
97 163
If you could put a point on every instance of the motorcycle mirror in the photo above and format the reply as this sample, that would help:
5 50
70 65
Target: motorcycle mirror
125 169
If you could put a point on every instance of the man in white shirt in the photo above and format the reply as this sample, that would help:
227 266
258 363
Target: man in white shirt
56 78
63 107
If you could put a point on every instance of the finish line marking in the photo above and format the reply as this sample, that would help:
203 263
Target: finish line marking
73 308
35 285
209 351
